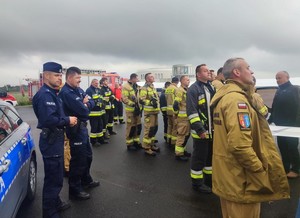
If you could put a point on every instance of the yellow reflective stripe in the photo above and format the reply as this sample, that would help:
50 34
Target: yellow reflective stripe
137 140
178 99
202 101
148 141
173 138
179 149
196 136
163 108
182 114
100 134
196 174
196 119
93 135
128 108
110 125
207 170
263 110
130 141
95 113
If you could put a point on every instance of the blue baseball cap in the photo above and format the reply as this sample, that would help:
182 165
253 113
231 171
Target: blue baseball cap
52 67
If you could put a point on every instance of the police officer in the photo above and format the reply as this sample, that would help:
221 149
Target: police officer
109 98
77 103
51 120
149 99
133 113
172 117
183 125
199 114
96 134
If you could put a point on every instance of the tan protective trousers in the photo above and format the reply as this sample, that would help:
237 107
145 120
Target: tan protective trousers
67 154
133 122
238 210
183 130
172 129
150 123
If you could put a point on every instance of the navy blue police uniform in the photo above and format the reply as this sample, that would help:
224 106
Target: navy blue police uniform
51 120
81 152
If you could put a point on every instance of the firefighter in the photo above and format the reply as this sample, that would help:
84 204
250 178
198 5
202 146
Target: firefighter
183 125
198 110
172 117
118 111
108 98
149 99
163 109
133 113
96 134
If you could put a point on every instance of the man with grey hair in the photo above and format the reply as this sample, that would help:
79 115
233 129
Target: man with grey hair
246 164
287 96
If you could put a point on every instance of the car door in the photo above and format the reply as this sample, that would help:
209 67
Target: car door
13 158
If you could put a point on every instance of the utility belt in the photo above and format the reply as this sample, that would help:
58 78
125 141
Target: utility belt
73 131
51 134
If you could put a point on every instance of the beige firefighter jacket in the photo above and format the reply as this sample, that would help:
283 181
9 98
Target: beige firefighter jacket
246 164
170 96
129 96
147 96
180 97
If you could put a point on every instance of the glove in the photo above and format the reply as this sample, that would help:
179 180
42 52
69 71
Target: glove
154 102
111 98
133 98
137 110
176 106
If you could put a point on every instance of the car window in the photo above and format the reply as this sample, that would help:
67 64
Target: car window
13 117
5 126
267 94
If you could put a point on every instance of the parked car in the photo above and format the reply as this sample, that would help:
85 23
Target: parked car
18 167
8 98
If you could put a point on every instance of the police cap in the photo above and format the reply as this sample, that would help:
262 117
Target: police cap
175 79
52 67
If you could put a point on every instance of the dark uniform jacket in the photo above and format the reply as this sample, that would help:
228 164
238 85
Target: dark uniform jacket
163 102
73 102
198 108
94 94
286 106
49 111
108 97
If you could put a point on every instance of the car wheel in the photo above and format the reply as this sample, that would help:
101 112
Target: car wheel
32 179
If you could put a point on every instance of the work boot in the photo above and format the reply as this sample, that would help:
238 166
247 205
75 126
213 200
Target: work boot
96 144
181 158
106 135
155 148
187 154
138 145
150 152
92 184
131 148
102 141
79 195
63 206
202 188
112 133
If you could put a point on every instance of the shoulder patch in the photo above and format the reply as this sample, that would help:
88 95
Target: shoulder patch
242 106
244 121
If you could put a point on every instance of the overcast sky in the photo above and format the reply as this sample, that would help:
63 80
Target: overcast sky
129 35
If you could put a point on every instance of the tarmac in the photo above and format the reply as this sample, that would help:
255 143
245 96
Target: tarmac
136 185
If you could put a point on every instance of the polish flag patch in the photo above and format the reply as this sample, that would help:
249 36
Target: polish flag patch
242 106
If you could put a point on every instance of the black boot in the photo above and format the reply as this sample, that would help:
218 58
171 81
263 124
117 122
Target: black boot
208 180
199 186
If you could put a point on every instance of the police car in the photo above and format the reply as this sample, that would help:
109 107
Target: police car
17 161
4 96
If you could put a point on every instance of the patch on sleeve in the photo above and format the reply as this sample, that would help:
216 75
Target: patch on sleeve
242 106
244 121
217 122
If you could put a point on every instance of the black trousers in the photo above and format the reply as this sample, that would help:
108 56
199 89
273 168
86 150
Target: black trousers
288 147
202 157
81 160
96 123
165 119
118 111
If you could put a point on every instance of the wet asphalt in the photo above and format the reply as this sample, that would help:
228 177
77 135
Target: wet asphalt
136 185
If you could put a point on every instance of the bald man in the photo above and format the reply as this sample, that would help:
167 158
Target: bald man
286 112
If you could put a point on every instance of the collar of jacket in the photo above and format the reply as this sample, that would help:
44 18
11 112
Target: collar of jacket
285 85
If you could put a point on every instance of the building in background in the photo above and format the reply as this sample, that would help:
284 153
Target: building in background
179 70
160 74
